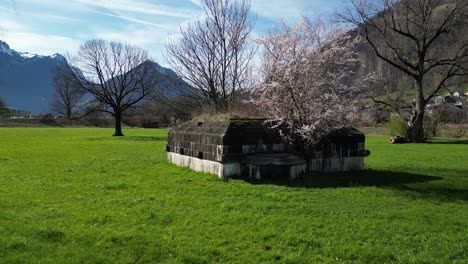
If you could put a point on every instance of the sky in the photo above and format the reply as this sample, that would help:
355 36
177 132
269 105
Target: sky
46 27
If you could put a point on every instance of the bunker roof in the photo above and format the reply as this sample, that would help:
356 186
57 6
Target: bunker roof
344 135
249 132
226 132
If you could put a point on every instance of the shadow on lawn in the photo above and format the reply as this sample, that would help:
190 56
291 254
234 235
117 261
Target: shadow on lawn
350 179
145 138
449 142
128 138
440 193
399 181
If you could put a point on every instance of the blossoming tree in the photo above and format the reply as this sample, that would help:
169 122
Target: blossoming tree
308 70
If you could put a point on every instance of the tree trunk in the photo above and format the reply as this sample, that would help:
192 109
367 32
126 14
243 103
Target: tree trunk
69 112
415 131
118 124
226 105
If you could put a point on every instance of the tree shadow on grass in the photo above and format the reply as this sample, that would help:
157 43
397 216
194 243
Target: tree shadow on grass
439 193
349 179
145 138
129 138
449 142
412 185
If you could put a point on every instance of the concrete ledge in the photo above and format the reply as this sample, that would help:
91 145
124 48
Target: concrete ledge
200 165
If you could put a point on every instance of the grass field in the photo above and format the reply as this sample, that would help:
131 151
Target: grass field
81 196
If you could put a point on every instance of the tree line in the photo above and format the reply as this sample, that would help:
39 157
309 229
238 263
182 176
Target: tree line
307 73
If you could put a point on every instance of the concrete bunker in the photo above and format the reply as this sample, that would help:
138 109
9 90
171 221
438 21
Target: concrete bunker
253 148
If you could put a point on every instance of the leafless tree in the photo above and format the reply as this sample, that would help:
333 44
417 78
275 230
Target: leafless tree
67 97
389 88
214 54
426 40
182 107
118 76
174 94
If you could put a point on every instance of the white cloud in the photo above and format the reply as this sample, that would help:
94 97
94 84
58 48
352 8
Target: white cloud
140 37
41 44
23 38
149 38
146 23
140 21
141 7
9 24
54 18
197 2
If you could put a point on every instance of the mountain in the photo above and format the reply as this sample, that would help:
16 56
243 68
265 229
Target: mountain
168 84
453 39
26 79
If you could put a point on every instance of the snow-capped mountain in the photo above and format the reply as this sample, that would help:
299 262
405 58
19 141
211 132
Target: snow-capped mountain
26 79
4 48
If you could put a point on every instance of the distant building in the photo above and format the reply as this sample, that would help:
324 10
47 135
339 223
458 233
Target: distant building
452 108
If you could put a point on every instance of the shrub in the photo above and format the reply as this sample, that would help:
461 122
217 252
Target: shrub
455 131
397 126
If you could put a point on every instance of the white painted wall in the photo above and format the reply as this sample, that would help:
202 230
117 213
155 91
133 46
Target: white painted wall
196 164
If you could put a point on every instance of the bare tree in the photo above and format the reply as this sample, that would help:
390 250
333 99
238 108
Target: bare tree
174 94
67 97
425 40
307 68
214 54
389 88
118 76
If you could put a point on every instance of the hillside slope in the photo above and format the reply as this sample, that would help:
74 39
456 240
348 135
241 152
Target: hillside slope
26 79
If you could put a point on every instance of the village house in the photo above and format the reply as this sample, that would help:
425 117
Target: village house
452 108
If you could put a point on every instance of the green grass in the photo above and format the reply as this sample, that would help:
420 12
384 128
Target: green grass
81 196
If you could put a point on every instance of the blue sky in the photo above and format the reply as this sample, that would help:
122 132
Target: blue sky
60 26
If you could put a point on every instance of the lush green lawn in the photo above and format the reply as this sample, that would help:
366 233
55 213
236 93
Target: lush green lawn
82 196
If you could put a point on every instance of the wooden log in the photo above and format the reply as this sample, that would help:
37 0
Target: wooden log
397 140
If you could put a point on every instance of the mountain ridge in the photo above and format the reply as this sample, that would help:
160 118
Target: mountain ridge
26 79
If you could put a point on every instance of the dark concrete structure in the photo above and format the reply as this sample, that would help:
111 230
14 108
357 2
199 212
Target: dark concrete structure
252 148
